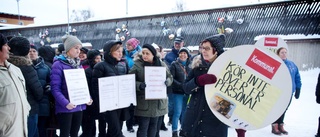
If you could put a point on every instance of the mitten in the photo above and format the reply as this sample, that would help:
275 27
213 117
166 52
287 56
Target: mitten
206 79
297 93
166 83
142 86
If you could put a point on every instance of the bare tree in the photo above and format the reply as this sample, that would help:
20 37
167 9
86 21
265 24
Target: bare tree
180 6
81 15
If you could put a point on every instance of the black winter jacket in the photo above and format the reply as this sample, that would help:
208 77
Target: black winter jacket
33 85
199 121
179 74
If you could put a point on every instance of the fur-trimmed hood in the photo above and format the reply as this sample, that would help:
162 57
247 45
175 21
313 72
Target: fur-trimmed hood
20 60
196 62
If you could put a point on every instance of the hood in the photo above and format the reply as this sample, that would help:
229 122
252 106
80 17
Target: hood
107 54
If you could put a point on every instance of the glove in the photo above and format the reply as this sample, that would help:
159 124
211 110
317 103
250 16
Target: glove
297 93
166 83
206 79
318 99
142 86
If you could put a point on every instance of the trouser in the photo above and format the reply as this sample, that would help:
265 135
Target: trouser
180 103
147 126
88 124
114 123
159 124
70 123
130 121
280 120
33 125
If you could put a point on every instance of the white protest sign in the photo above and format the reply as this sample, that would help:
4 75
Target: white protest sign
155 78
77 86
273 43
253 87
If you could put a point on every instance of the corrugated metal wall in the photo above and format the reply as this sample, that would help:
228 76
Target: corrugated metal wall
305 54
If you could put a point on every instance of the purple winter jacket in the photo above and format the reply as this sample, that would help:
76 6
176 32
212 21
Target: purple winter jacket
59 86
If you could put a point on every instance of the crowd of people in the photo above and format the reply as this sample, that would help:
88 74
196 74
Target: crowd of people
34 97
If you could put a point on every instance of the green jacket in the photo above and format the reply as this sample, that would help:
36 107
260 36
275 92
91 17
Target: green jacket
148 108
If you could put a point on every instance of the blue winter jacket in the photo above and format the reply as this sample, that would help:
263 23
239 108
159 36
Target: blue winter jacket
295 75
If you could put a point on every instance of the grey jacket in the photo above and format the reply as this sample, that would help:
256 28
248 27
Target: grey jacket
14 107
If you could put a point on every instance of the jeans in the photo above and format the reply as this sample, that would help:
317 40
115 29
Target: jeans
70 123
33 125
170 106
147 126
180 103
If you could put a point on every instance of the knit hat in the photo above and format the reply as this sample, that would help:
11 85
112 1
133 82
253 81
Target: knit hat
70 41
85 50
91 55
3 40
184 49
34 47
60 48
217 42
151 48
19 46
133 42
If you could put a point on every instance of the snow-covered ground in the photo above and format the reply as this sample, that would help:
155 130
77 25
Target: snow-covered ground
301 119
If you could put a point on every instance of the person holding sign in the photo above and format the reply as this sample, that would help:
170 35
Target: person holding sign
148 111
68 113
199 121
111 66
277 126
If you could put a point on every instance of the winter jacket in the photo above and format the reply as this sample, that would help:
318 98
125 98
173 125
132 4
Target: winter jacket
179 73
59 86
295 75
129 57
43 72
33 85
171 56
318 90
14 107
199 121
148 108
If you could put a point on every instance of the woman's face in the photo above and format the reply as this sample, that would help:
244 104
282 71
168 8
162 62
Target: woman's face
129 47
97 59
74 51
283 54
183 56
147 55
4 53
207 51
82 55
33 54
117 54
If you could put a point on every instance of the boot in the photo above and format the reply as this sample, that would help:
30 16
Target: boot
275 129
175 134
241 132
282 129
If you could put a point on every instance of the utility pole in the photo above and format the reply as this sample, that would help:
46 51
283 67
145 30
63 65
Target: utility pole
127 7
18 12
68 16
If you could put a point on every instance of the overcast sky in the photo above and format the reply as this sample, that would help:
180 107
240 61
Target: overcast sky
55 11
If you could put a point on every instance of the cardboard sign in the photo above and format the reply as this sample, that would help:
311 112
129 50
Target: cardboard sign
253 87
273 43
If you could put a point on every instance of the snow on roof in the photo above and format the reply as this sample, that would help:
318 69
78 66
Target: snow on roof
292 37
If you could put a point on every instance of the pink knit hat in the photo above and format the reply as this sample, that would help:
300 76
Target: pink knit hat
133 42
